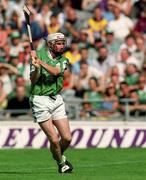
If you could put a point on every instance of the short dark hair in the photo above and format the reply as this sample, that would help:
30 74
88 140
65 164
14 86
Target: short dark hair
95 79
129 36
83 62
123 83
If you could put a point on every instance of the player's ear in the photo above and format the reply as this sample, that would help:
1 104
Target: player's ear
49 44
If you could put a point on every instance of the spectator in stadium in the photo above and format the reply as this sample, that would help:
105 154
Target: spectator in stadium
89 5
2 14
73 54
132 76
19 102
141 22
112 44
3 55
55 6
124 5
127 97
141 90
24 60
125 59
94 94
114 77
140 51
14 61
129 44
104 61
85 38
44 14
138 8
20 81
25 55
10 6
124 91
84 58
94 48
121 26
138 107
3 36
72 24
16 45
6 73
131 98
97 24
14 22
87 111
134 106
54 25
68 79
144 69
48 66
108 11
110 100
82 80
23 67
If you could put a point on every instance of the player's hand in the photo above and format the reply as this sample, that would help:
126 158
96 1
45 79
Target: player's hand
35 61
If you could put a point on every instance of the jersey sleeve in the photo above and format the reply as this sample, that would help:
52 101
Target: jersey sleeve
63 65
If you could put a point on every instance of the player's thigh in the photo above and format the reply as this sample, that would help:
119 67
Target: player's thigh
49 130
63 128
41 108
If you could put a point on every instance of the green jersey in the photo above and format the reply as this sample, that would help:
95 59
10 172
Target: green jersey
49 84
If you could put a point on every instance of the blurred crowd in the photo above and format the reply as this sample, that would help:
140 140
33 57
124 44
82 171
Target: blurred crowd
106 49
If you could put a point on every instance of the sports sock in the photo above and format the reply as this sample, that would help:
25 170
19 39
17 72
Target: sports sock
60 162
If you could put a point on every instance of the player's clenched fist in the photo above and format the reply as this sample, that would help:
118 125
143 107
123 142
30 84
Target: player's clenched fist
35 60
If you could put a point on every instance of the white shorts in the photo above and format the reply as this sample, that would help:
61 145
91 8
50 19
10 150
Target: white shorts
45 107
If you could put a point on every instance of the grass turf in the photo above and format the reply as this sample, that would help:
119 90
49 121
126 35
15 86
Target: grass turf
89 164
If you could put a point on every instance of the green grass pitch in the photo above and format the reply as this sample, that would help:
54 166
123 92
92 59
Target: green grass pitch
89 164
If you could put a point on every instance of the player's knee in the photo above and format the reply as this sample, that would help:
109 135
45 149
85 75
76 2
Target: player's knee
67 138
54 141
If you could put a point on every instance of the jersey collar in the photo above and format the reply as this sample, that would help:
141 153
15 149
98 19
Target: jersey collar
50 56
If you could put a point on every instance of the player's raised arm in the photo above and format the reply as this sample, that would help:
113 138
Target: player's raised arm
52 70
36 62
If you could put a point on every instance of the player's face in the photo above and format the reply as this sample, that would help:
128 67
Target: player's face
59 46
